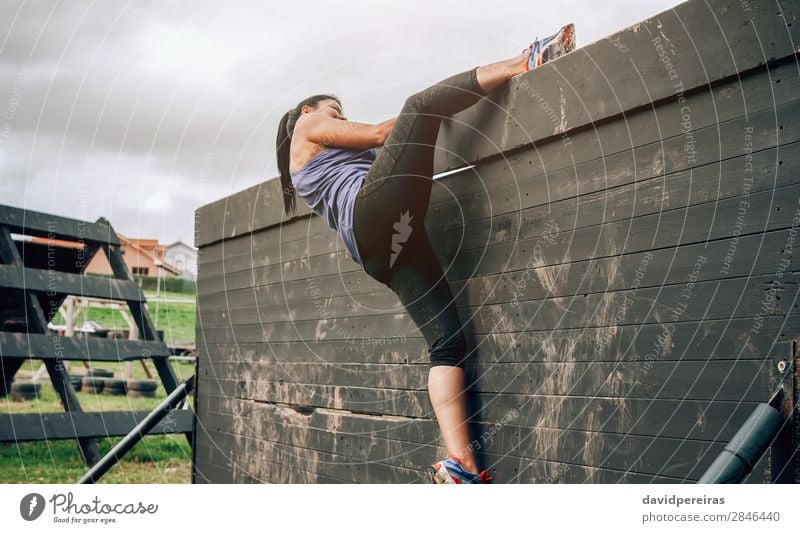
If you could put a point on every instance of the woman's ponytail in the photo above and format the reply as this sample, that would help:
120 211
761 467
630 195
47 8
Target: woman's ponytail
284 144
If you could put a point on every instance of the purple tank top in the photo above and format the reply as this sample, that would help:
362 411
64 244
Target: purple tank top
328 184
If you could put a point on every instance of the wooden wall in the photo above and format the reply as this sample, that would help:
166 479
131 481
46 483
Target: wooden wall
623 253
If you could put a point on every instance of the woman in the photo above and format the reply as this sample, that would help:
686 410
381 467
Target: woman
377 203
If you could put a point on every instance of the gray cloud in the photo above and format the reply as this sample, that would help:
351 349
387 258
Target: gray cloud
142 112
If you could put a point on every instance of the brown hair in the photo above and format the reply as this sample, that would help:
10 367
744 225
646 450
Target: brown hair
283 143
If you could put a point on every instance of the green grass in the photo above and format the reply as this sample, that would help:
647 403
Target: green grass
176 319
151 293
154 459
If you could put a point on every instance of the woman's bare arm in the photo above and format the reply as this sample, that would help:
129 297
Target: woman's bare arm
337 133
386 128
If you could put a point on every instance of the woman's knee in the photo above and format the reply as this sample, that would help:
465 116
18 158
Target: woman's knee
414 103
449 351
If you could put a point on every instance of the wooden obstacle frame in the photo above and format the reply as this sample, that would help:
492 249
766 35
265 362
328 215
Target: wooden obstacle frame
35 279
622 247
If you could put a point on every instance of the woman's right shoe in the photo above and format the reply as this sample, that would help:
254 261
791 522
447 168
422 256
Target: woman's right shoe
451 471
543 50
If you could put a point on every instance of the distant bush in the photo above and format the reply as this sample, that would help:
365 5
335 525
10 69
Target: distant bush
167 284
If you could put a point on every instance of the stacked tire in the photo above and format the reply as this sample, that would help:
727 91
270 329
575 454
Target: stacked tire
100 373
95 380
93 385
142 388
22 391
115 387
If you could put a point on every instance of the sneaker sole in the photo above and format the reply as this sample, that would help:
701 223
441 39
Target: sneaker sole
433 476
561 45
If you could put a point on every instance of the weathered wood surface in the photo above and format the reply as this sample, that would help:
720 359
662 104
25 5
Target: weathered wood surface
622 253
52 426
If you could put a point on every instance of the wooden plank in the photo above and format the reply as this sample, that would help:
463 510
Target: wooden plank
59 426
63 283
759 253
759 212
690 341
374 438
511 468
248 469
765 211
25 221
206 473
691 419
666 266
605 191
363 446
327 464
56 347
367 438
689 301
649 179
715 107
600 82
746 380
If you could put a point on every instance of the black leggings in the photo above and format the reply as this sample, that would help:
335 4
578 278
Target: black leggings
389 215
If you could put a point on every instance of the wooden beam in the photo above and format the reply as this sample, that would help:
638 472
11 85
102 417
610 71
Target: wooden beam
37 324
57 347
64 283
29 222
59 426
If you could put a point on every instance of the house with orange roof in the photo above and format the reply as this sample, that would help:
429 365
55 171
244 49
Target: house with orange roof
144 257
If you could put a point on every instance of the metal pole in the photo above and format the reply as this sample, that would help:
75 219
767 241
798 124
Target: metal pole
746 447
141 429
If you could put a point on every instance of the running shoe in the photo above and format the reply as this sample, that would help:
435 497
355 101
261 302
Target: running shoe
451 471
556 45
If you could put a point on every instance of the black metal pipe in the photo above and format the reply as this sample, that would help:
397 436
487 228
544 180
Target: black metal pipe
142 428
746 447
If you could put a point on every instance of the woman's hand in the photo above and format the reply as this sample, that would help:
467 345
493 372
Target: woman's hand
340 133
386 128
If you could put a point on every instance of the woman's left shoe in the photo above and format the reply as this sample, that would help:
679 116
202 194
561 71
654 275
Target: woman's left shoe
544 50
451 471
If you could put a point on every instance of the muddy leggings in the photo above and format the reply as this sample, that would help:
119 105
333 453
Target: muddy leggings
389 216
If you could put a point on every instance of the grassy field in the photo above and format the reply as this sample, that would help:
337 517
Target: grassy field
176 319
155 459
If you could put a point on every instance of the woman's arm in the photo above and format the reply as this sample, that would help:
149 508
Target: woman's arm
386 128
337 133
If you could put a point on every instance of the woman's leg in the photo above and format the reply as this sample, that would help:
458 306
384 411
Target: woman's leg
411 144
397 188
420 284
389 225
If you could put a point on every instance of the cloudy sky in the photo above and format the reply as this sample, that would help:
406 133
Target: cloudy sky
142 111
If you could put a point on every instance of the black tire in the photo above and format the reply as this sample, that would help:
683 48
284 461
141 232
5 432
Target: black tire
114 387
142 385
25 386
100 373
75 381
22 391
92 384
